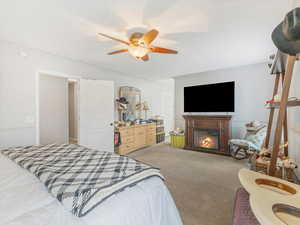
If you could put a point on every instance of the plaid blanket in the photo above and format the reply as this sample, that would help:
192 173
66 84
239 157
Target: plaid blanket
80 178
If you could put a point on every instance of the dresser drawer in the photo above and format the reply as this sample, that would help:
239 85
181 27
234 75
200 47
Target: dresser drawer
126 148
151 132
140 141
127 132
152 125
150 135
126 145
124 151
151 140
140 132
152 128
127 139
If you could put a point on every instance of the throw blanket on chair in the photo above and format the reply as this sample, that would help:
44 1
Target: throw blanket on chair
80 178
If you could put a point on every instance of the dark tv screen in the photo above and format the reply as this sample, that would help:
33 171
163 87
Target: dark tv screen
217 97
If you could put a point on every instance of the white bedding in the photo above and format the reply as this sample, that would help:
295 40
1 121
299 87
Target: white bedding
25 201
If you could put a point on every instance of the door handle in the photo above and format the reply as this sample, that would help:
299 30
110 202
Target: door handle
111 124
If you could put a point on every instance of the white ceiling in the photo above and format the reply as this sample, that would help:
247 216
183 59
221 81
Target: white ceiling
209 34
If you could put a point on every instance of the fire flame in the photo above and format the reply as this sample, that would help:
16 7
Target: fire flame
206 142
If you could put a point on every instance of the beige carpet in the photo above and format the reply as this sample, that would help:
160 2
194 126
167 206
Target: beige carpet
203 185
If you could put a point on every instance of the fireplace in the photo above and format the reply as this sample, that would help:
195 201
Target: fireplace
207 133
206 138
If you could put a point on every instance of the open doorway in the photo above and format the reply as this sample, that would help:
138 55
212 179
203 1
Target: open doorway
73 111
58 109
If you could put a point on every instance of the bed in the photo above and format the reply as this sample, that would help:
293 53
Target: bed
26 200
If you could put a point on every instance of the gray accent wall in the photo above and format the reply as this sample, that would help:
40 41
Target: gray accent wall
253 86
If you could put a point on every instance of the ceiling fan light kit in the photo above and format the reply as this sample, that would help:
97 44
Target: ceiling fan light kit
139 45
138 51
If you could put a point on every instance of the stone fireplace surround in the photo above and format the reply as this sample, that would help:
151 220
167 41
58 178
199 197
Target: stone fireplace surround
217 128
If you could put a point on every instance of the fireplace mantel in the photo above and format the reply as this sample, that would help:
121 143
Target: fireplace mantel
208 117
218 123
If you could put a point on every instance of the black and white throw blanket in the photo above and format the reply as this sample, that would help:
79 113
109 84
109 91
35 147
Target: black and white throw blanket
80 178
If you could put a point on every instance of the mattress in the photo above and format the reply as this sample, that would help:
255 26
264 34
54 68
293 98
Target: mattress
24 200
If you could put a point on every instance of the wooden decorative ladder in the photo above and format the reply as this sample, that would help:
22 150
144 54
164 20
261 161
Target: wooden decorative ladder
281 124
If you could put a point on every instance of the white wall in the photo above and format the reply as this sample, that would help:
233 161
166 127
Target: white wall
294 113
53 109
18 68
253 86
294 118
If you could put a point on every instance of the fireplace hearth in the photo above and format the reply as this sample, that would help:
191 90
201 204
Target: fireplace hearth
208 133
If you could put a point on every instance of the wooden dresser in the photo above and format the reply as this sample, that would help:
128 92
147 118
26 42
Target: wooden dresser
136 137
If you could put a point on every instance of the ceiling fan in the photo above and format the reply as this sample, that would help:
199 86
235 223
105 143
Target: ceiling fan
139 45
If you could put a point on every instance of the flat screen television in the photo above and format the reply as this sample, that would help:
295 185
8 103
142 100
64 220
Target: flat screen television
217 97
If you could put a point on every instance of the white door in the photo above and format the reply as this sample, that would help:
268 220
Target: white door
96 114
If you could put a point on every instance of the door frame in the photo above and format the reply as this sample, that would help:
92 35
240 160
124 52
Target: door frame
37 98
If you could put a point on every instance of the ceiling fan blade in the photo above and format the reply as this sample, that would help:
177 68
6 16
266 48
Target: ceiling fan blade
118 51
145 58
115 39
162 50
150 36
